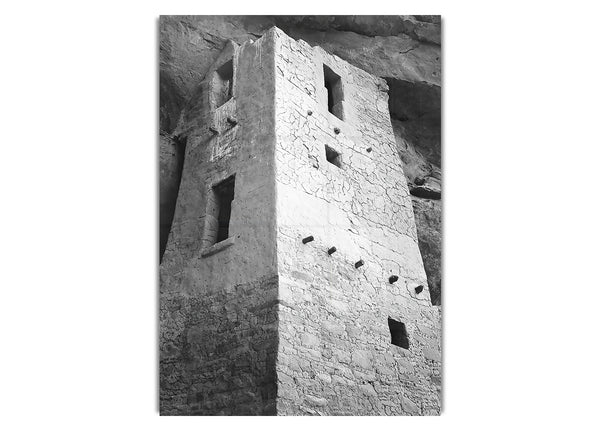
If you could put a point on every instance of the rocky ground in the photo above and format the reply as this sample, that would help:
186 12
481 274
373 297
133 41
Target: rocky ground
405 50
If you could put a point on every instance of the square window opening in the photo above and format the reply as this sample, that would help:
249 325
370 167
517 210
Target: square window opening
335 93
223 195
398 332
223 83
333 156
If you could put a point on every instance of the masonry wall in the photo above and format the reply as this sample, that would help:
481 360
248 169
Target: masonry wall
261 323
334 353
218 311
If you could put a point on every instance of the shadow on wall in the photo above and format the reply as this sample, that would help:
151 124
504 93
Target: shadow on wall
415 111
172 153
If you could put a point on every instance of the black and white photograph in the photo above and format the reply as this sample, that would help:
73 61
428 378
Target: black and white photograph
303 216
300 215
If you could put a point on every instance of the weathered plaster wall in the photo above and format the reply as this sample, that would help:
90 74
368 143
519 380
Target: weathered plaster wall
218 310
261 323
335 355
403 49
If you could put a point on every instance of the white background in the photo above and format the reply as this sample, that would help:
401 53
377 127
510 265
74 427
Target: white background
79 100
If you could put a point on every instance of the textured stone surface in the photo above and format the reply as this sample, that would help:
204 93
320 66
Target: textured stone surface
403 49
219 311
339 319
268 324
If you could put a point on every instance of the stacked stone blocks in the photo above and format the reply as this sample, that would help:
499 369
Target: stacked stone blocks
270 324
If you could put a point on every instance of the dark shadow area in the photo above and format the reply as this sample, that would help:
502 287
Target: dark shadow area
171 103
333 156
223 83
335 95
224 194
172 154
425 192
415 111
398 333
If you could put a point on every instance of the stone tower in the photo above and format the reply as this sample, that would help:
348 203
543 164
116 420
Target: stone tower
292 281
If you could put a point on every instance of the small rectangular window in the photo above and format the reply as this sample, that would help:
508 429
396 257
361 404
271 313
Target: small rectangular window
218 212
335 93
398 332
333 156
223 83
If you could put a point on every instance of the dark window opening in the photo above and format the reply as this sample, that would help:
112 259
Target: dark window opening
329 95
223 197
398 332
223 83
335 94
333 156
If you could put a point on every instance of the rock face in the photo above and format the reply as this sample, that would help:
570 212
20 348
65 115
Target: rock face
405 50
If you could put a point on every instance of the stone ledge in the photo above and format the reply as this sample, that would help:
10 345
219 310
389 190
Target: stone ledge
215 248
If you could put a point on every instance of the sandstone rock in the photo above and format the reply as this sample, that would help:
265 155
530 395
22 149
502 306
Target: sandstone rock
286 379
405 366
409 407
315 401
432 354
379 55
368 389
324 377
342 356
337 380
333 328
362 359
